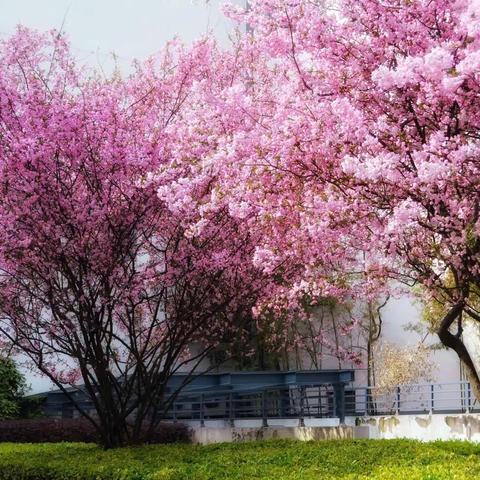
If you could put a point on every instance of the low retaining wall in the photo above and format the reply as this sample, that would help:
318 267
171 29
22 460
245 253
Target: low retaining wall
422 427
418 427
207 435
258 423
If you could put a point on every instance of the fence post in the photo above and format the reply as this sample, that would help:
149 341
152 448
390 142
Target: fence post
432 398
67 410
398 400
231 412
174 412
334 404
340 401
202 417
368 403
264 410
301 420
469 396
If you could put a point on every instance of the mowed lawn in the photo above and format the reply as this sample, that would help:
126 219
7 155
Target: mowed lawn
272 460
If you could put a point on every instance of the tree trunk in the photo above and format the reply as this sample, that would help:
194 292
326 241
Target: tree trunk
455 343
113 434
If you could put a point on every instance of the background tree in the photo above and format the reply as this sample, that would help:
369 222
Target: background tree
12 389
398 365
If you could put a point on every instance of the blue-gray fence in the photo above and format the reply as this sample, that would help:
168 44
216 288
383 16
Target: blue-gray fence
454 397
310 401
319 401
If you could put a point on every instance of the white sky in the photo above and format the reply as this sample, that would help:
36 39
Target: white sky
131 29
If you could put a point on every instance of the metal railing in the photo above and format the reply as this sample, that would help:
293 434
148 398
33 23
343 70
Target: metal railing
309 401
316 401
411 399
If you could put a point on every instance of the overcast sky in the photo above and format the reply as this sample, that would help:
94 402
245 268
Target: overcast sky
130 28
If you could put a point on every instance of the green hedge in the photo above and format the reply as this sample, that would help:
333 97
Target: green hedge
277 460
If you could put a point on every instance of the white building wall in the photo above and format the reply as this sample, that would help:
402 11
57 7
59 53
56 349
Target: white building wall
397 314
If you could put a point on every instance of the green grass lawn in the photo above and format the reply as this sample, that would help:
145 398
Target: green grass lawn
272 460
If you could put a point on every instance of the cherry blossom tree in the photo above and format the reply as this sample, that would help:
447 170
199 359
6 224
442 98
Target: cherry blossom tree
220 139
359 148
331 150
102 284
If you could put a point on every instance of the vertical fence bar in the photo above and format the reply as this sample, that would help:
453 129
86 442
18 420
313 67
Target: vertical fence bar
398 400
339 389
202 413
369 403
432 398
469 396
264 409
334 405
174 412
301 420
231 411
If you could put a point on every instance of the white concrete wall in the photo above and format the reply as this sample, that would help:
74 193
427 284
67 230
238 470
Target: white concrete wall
257 423
397 315
207 435
425 428
422 427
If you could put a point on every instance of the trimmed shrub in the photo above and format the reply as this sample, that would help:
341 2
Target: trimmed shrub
48 430
263 460
172 433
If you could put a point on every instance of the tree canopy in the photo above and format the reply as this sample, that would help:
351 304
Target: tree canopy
333 149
